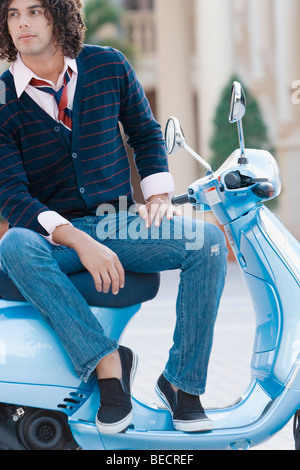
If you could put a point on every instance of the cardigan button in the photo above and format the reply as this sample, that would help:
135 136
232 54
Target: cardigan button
74 155
82 190
56 129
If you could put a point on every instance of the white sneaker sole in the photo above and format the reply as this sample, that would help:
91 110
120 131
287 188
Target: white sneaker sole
203 425
119 426
197 425
114 428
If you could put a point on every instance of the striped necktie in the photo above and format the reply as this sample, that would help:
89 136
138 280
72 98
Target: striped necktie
61 97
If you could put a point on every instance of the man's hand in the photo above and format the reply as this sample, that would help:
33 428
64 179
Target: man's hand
156 208
100 261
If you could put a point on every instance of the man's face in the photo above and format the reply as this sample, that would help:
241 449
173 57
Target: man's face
31 32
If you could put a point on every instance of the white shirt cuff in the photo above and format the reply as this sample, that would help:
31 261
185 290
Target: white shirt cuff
49 220
158 183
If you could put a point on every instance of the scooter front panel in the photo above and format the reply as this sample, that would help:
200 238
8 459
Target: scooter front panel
275 293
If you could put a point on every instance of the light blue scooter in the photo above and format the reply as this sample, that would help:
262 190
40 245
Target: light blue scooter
45 406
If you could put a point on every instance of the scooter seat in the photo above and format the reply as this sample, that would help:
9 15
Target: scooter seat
138 288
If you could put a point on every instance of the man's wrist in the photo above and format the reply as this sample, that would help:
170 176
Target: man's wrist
165 197
69 236
156 183
50 220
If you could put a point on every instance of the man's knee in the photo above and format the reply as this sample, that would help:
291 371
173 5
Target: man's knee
16 246
209 242
215 241
206 239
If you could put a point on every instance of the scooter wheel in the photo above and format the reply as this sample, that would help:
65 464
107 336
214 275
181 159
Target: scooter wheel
44 430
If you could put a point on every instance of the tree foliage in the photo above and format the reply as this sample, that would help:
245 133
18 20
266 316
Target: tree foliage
99 13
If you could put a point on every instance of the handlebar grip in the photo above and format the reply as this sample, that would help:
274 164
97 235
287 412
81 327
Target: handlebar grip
264 190
233 180
179 200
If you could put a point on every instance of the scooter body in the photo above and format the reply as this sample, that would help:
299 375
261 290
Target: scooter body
36 375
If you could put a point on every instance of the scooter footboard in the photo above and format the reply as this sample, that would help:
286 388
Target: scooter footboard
255 418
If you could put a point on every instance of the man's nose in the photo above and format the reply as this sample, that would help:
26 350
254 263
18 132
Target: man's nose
24 21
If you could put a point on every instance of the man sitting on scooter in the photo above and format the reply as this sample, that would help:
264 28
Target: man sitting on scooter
61 157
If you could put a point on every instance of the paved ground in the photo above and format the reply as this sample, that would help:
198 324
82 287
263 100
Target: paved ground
150 334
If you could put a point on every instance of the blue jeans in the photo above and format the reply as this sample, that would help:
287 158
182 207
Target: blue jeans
39 269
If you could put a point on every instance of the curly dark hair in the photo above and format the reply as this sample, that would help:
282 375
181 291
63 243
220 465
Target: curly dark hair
68 27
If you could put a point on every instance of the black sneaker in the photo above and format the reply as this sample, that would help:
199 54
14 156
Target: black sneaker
115 411
187 412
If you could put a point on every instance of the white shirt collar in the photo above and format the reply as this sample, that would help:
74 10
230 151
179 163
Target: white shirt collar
22 74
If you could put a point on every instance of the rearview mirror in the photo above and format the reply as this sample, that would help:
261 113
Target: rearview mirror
237 103
175 140
236 113
174 136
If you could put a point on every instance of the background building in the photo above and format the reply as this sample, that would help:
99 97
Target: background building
187 52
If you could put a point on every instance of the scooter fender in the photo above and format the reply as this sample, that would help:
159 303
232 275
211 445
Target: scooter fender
35 369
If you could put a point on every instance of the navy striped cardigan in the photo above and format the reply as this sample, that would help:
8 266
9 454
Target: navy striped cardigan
40 169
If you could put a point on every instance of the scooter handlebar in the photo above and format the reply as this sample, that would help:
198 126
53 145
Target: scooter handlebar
181 199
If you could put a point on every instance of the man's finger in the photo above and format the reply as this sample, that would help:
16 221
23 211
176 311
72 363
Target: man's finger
142 211
161 212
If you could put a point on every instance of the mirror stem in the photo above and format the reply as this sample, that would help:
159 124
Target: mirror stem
197 157
242 160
